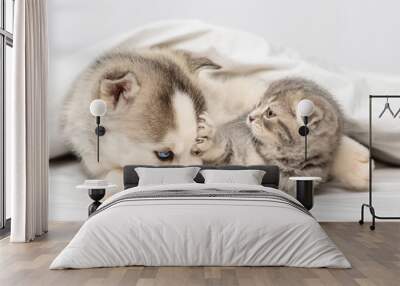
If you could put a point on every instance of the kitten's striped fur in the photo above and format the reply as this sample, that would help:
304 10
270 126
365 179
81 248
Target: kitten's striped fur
269 134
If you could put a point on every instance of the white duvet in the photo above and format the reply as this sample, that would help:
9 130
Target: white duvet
183 231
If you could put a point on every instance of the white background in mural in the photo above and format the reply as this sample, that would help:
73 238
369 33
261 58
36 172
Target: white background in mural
360 34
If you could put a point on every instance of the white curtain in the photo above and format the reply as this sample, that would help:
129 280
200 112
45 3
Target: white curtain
26 119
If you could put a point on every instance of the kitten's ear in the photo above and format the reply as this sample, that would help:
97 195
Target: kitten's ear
119 89
196 64
316 117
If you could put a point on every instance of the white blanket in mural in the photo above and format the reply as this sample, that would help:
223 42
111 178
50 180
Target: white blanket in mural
247 54
201 224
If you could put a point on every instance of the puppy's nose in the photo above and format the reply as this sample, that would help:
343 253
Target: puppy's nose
251 118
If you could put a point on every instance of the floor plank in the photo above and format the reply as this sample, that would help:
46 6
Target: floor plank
375 257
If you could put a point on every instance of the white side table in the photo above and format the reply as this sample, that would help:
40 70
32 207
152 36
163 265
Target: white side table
305 190
96 193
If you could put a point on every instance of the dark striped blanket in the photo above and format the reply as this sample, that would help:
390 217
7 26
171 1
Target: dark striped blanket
205 194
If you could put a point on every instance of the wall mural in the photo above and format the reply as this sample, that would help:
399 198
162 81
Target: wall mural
168 106
188 93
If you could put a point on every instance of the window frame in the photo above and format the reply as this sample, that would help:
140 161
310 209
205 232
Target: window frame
6 39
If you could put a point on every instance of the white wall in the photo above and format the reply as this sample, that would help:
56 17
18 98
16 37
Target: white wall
360 34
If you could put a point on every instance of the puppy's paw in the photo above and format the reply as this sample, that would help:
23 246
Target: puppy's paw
351 165
206 127
205 134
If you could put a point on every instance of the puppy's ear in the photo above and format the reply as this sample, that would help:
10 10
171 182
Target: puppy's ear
196 64
116 90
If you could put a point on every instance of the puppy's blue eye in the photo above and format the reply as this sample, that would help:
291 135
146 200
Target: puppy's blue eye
164 155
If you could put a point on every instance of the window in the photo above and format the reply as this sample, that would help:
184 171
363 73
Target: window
6 44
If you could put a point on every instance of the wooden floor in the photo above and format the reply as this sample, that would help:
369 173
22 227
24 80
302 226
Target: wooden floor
375 257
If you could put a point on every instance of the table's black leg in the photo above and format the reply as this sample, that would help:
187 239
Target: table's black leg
93 207
305 194
96 195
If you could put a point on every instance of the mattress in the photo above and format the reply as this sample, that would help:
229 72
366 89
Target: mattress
331 201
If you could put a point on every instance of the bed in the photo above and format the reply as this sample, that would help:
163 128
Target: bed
197 224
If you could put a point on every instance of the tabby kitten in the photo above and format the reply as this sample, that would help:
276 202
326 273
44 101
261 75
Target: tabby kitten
269 133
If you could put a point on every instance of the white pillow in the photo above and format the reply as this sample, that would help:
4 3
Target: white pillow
162 176
248 177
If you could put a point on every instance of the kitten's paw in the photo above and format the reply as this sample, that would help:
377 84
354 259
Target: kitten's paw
205 133
351 165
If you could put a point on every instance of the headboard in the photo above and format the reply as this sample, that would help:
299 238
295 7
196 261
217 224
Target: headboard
270 179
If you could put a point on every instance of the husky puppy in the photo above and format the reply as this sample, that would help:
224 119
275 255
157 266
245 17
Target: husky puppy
269 133
153 102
